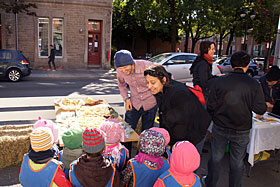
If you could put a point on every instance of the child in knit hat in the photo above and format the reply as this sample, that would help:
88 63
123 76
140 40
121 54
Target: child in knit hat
185 159
72 150
114 150
54 129
166 136
92 169
148 164
39 168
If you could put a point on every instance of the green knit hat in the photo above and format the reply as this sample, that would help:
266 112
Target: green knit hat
73 137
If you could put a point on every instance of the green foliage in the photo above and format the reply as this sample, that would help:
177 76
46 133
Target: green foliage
198 19
18 7
266 21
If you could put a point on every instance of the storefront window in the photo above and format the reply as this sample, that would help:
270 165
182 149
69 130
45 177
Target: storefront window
94 26
58 35
43 36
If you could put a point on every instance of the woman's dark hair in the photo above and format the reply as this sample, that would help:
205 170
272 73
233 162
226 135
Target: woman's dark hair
160 72
204 48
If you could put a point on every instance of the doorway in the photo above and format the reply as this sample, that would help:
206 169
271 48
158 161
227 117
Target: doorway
94 42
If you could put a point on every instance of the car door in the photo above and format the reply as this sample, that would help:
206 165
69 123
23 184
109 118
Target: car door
5 59
225 66
189 60
177 66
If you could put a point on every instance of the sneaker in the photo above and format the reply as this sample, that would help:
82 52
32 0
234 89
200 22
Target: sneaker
53 70
49 69
203 180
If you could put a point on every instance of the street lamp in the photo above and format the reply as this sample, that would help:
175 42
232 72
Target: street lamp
252 16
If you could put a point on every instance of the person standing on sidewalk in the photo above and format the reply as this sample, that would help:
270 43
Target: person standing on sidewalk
201 69
231 101
51 58
141 102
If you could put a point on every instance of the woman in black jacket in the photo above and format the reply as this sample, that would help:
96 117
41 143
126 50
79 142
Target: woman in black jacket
180 111
202 66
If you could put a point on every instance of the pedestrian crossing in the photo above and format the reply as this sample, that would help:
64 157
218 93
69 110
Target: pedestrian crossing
25 110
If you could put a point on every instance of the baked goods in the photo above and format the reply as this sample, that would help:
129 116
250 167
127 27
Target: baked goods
91 102
70 104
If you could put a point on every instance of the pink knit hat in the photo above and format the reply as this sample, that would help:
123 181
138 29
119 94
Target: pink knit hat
114 131
164 132
47 123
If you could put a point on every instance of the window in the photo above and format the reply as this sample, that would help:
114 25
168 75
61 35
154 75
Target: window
5 55
58 35
43 36
94 26
181 59
191 59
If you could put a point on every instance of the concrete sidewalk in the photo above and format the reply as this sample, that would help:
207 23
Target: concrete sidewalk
77 73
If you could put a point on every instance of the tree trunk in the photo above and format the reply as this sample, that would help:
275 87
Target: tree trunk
220 44
193 45
230 39
173 36
187 41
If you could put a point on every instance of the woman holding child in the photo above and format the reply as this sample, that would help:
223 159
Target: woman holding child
180 112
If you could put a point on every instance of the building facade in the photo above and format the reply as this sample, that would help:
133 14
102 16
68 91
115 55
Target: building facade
79 30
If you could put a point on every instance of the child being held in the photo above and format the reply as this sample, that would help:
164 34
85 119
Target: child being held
72 150
148 164
39 168
114 150
92 169
185 159
166 136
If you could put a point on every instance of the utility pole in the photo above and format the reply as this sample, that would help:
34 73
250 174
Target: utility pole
277 46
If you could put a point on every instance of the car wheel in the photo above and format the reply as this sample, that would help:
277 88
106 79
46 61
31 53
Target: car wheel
14 75
250 73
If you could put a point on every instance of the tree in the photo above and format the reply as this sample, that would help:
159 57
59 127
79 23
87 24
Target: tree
225 16
17 7
196 21
266 22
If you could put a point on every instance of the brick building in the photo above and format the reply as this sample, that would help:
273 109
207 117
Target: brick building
80 31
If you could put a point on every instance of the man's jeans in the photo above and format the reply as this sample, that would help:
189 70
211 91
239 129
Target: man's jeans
238 141
148 117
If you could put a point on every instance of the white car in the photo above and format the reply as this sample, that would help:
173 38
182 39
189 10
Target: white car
178 64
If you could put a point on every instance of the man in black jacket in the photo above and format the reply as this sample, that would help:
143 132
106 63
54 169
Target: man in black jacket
231 101
270 83
51 58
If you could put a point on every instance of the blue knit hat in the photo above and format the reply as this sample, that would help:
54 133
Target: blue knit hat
123 58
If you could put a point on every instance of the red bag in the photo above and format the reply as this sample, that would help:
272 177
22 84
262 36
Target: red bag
198 92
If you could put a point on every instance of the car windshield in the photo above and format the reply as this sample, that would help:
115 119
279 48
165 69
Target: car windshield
159 58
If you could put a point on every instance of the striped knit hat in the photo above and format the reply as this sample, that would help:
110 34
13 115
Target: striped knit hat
93 140
41 139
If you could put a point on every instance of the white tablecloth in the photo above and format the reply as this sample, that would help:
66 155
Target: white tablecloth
263 136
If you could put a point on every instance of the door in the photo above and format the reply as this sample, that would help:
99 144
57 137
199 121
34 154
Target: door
94 42
179 67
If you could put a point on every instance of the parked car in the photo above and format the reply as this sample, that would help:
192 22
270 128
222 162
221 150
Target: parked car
220 59
13 65
259 61
252 70
179 64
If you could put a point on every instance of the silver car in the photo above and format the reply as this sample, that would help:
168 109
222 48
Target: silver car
179 64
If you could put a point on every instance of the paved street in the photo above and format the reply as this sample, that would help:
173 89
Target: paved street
22 102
